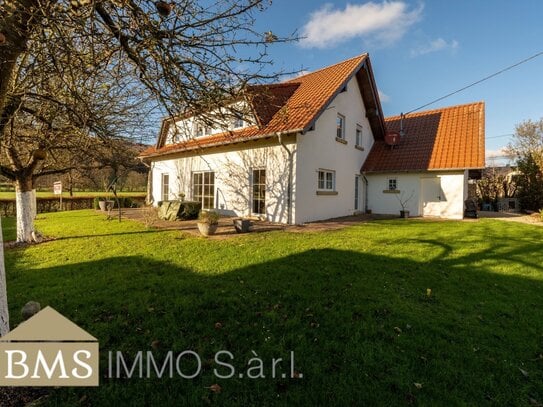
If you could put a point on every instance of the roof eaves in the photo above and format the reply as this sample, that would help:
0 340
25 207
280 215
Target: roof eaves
325 105
159 153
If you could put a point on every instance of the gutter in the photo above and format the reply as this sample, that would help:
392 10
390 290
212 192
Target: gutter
216 144
290 169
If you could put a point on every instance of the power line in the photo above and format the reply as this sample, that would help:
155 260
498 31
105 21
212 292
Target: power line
478 82
501 135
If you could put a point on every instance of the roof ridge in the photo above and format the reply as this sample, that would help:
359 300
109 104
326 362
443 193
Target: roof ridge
438 109
293 80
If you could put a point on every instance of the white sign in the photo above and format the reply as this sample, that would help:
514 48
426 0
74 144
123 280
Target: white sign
57 188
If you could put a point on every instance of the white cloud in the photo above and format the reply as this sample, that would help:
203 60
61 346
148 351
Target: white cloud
384 22
383 96
498 156
436 45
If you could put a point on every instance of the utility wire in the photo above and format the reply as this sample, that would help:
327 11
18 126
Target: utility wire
500 136
478 82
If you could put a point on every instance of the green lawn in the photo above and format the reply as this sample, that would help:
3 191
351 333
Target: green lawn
352 305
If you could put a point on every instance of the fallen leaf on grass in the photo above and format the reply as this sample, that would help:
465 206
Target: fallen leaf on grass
215 388
524 372
418 385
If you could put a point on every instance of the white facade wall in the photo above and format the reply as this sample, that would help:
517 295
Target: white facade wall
233 168
446 202
318 149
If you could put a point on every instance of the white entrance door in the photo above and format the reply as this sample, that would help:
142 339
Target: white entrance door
431 196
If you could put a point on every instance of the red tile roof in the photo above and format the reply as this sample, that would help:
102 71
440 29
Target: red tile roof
440 139
288 107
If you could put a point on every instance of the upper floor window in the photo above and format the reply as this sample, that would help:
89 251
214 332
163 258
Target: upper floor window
358 135
340 126
238 121
202 130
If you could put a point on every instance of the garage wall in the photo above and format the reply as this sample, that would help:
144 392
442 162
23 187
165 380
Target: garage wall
448 201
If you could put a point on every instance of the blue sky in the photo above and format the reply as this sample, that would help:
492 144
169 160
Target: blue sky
423 50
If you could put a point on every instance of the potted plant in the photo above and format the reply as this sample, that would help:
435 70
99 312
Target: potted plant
404 213
242 225
208 221
105 204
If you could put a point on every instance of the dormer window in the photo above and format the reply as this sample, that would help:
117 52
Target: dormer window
202 130
238 121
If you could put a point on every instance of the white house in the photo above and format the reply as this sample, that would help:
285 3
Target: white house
315 147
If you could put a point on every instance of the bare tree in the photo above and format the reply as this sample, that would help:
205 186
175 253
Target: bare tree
190 56
528 141
53 56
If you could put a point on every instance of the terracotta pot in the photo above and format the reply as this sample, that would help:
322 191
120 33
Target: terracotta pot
207 229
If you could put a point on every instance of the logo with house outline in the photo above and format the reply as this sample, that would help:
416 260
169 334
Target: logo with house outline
49 350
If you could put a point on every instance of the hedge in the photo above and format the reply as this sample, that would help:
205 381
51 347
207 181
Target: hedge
7 206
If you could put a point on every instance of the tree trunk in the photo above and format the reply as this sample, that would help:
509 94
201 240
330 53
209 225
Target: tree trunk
25 201
4 312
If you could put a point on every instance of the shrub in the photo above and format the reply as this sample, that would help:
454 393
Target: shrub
189 210
209 217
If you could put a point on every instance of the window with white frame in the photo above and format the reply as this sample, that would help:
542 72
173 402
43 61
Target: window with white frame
340 126
358 135
165 186
326 180
203 188
238 121
392 184
202 130
258 181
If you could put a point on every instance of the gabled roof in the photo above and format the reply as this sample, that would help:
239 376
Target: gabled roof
442 139
292 106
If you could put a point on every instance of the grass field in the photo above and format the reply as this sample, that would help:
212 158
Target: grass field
353 305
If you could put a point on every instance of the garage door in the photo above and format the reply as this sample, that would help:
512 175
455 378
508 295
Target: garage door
432 196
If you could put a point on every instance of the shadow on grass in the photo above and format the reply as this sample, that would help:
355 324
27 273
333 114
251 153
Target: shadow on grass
362 327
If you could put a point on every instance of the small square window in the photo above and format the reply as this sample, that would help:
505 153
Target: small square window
392 184
340 127
326 180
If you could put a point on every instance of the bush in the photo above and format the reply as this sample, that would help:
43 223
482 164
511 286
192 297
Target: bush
189 210
530 184
209 217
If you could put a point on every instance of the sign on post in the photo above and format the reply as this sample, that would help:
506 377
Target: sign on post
57 190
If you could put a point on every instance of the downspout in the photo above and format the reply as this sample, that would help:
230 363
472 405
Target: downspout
290 169
365 193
